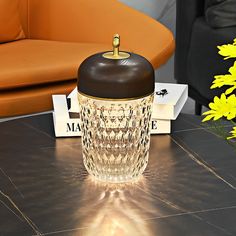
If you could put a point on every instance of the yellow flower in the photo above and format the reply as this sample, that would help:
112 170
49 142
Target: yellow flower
228 50
221 107
233 132
228 79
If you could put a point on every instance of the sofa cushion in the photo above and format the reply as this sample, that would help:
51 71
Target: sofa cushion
220 13
32 100
33 62
10 26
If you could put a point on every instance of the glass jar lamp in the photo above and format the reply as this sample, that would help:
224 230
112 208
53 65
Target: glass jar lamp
115 92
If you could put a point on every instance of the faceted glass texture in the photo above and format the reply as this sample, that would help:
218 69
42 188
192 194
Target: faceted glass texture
115 137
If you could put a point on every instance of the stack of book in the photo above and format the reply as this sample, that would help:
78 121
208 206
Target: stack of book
168 102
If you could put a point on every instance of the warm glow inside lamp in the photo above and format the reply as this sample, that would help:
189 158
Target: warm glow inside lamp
115 92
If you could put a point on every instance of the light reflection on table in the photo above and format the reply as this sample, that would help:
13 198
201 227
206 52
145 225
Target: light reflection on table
118 209
188 187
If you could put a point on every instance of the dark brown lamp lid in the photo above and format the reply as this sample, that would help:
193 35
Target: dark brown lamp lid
116 75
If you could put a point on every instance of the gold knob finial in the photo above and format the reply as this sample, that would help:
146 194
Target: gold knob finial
116 44
116 54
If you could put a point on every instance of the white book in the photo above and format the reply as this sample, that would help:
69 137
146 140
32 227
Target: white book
168 102
67 126
168 106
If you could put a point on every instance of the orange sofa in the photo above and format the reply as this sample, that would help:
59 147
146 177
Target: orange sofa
59 35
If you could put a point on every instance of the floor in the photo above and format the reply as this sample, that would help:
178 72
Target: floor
163 11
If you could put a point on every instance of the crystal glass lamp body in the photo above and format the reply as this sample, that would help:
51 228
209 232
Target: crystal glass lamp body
115 137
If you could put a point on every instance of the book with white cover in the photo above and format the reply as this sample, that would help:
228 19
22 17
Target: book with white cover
168 106
65 125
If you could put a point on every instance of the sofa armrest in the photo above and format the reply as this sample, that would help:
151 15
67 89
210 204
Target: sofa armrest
96 21
186 13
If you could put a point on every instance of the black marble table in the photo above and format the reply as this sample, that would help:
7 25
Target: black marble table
188 188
